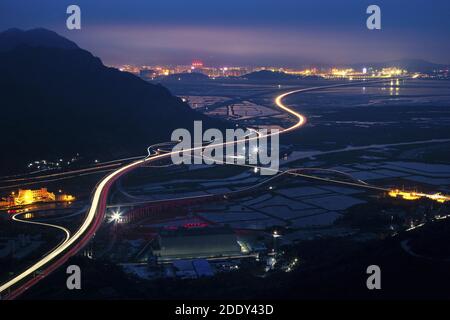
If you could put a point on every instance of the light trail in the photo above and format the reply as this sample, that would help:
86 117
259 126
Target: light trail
55 179
8 284
293 172
29 175
65 230
51 175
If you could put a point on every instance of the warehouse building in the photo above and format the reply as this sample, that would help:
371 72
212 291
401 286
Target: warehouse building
197 243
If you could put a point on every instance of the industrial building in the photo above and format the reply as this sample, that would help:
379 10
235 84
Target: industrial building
197 243
28 196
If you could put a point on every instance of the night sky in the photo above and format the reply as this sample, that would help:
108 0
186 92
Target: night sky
244 32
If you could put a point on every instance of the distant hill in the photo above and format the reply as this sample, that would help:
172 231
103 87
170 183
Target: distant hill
269 75
58 99
193 76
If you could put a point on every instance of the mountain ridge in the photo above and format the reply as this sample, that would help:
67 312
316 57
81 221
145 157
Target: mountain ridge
61 100
38 37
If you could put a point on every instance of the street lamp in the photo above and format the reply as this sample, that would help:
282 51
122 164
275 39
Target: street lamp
116 216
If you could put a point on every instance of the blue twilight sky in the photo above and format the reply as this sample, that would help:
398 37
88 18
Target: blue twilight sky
244 32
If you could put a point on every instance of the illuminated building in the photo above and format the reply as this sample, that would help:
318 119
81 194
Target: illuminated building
32 196
304 72
130 69
197 64
438 197
65 198
393 71
408 195
403 194
233 71
28 196
341 72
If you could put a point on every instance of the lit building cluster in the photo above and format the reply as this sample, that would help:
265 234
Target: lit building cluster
349 73
303 72
197 66
42 165
410 195
391 72
364 73
28 196
130 68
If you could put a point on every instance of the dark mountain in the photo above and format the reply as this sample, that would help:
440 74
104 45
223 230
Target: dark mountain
12 38
58 100
269 75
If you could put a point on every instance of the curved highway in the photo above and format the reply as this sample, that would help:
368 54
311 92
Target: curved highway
65 230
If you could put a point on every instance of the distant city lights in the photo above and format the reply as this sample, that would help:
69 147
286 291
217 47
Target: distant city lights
213 72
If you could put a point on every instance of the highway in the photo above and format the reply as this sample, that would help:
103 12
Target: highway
65 230
96 212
